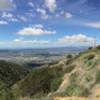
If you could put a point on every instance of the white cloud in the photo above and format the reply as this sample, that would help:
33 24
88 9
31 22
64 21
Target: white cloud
14 20
43 13
35 31
7 15
93 24
51 5
31 4
38 26
79 38
67 15
18 39
21 42
22 18
3 22
6 4
31 42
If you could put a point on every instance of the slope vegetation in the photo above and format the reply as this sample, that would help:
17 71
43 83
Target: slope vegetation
74 78
10 73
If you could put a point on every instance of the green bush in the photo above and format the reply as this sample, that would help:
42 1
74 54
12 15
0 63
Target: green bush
69 68
74 77
55 84
69 61
85 92
98 77
69 56
90 64
89 57
90 48
73 90
88 78
98 47
76 90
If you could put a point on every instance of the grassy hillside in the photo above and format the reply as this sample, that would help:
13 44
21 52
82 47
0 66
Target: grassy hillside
75 76
82 77
41 81
84 74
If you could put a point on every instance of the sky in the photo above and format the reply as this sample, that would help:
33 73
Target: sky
49 23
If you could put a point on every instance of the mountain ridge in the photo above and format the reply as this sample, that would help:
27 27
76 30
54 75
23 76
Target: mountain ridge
75 77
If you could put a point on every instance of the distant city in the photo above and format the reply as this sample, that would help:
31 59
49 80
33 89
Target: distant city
38 57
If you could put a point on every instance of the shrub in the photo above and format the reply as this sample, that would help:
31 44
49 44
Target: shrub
69 61
98 47
55 84
90 48
88 78
77 90
74 77
85 92
73 90
98 77
89 57
69 56
90 64
69 68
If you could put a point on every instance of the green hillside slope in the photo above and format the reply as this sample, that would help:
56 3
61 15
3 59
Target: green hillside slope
83 72
75 76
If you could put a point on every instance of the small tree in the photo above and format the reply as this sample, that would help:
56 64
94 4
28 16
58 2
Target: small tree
98 47
90 48
69 56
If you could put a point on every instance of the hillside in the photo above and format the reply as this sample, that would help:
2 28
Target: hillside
84 78
74 78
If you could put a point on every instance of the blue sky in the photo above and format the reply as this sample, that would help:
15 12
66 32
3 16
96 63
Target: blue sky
47 23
